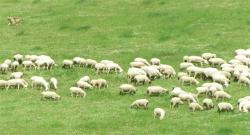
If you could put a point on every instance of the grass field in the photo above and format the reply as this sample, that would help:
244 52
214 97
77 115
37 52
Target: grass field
119 30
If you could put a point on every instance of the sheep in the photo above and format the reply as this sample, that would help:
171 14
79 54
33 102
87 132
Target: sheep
4 68
242 99
45 62
38 81
180 74
53 83
195 59
208 56
175 101
77 60
208 103
142 79
137 64
176 91
16 83
188 80
216 61
185 65
3 84
140 103
156 90
113 67
152 72
99 83
14 65
202 90
159 112
75 92
67 64
83 85
167 70
196 70
208 72
32 58
141 60
244 80
224 106
14 20
244 105
127 88
106 61
155 61
16 75
220 78
195 106
49 95
100 67
8 62
85 79
90 63
189 97
19 58
218 86
132 72
222 95
27 64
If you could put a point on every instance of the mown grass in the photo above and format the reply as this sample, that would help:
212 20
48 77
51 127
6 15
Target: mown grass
119 30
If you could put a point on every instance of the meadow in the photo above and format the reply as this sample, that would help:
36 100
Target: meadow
118 30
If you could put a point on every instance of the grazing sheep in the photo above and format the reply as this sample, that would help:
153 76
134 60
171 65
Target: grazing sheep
159 112
208 103
136 64
27 64
185 65
141 60
244 80
100 67
195 106
140 103
99 83
19 58
67 64
75 92
220 78
244 105
218 86
85 79
16 75
3 84
132 72
222 95
49 95
167 70
152 72
7 61
53 83
175 101
208 56
155 61
38 81
142 79
176 91
113 67
90 63
224 106
216 61
189 97
4 68
156 90
208 72
180 74
188 80
14 65
195 59
17 83
14 20
202 90
77 60
83 85
195 70
127 88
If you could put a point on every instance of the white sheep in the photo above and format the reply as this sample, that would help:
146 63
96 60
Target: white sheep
136 64
127 88
156 90
99 83
208 103
17 83
83 85
195 106
152 72
100 67
16 75
3 84
175 101
208 72
67 64
208 56
140 103
132 72
197 71
53 83
77 60
155 61
142 79
14 65
19 58
49 95
216 61
189 97
90 63
113 67
202 90
222 95
85 79
224 106
218 86
7 61
159 112
185 65
167 70
244 105
220 78
76 91
38 81
195 59
141 60
188 80
27 64
4 67
176 91
244 80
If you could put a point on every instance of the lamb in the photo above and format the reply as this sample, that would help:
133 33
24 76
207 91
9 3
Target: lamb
159 112
67 64
99 83
100 67
49 95
156 90
19 58
189 97
195 59
90 63
185 65
137 64
53 83
195 106
141 60
208 103
175 101
27 64
16 75
17 83
155 61
38 81
216 61
140 103
244 80
14 65
4 68
3 84
221 94
188 80
83 85
224 106
208 56
142 79
127 88
75 92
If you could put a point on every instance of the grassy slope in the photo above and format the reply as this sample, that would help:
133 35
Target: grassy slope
119 30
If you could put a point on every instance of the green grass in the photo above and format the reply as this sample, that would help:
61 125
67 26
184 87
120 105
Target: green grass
119 30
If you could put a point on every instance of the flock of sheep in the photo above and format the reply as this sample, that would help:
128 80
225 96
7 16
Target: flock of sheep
207 67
